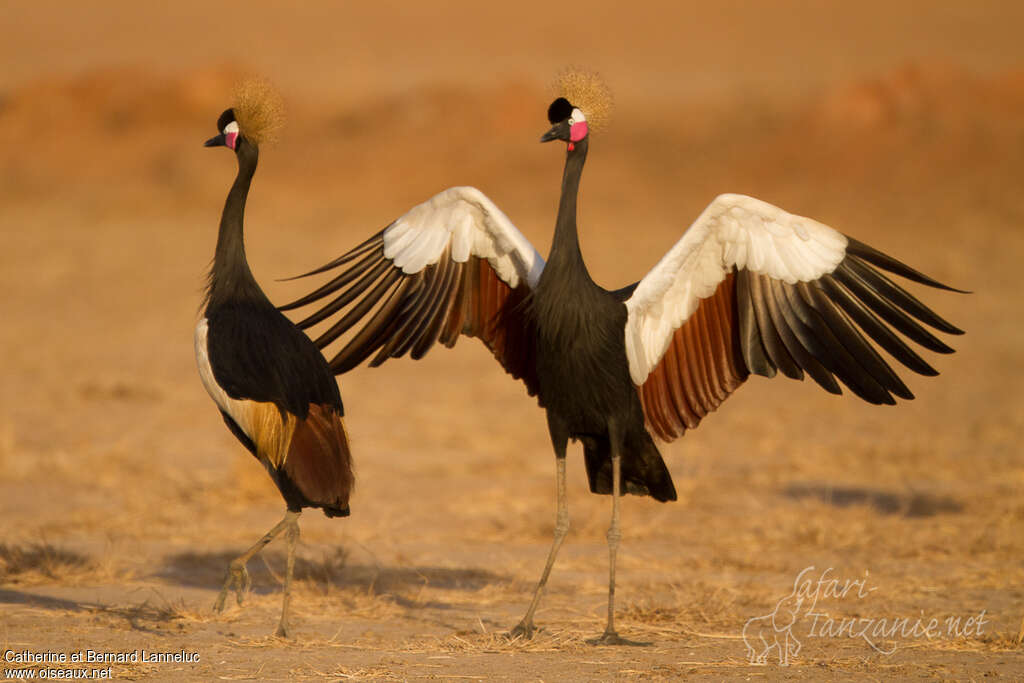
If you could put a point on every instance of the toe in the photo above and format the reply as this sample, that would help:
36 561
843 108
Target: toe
522 630
613 638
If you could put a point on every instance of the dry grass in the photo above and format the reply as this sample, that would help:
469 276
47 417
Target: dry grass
39 562
549 639
694 608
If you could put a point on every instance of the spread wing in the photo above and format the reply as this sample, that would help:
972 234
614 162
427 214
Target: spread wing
452 265
752 288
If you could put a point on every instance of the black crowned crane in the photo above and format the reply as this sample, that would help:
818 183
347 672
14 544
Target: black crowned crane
273 387
748 289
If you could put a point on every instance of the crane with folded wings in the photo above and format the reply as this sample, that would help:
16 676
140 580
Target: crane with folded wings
749 288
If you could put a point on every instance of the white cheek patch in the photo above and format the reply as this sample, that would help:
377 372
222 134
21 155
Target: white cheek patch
231 127
576 116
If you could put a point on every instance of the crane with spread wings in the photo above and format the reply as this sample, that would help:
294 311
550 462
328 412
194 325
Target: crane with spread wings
749 288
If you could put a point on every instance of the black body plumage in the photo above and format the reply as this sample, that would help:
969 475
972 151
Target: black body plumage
255 352
258 354
583 377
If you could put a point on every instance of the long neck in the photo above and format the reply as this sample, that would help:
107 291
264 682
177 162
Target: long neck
230 277
565 246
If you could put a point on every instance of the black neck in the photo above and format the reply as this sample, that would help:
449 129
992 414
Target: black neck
230 277
565 247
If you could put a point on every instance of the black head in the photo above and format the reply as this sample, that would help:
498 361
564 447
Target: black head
568 123
228 127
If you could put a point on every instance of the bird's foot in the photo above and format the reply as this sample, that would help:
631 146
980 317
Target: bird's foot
238 579
524 629
613 638
283 630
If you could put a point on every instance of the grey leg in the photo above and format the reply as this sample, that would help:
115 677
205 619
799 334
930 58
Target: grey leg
238 576
610 637
559 439
292 534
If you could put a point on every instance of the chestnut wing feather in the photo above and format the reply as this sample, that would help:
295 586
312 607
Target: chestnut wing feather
702 366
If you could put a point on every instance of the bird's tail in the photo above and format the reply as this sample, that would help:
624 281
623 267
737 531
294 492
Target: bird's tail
643 470
318 469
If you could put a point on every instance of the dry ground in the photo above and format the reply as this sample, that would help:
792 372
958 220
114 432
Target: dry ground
122 496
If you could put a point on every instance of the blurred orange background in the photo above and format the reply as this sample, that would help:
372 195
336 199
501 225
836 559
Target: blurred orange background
900 123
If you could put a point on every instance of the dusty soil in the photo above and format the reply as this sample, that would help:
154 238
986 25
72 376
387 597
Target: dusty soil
123 496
